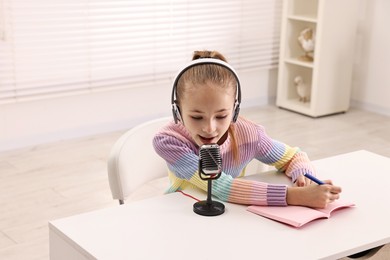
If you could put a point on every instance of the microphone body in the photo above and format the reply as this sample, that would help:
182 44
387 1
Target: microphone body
210 168
210 162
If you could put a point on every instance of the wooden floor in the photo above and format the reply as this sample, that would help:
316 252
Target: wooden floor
47 182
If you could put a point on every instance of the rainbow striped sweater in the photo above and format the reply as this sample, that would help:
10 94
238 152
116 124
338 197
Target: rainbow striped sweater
175 145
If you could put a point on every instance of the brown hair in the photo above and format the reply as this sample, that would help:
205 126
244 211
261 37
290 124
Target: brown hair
203 73
220 76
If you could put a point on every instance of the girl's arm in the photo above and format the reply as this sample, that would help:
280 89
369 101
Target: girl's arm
295 164
290 160
183 164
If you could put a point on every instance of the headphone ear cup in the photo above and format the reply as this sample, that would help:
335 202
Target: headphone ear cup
176 113
236 111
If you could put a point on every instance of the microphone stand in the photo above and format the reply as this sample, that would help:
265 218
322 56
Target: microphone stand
208 207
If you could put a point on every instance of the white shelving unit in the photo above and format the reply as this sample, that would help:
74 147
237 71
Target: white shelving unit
329 75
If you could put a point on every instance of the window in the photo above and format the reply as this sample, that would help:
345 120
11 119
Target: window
65 47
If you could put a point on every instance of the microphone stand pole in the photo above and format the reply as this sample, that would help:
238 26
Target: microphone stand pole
208 207
209 187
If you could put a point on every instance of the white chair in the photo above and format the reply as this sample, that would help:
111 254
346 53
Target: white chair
133 162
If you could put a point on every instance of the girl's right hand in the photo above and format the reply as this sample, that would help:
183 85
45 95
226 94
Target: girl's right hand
314 195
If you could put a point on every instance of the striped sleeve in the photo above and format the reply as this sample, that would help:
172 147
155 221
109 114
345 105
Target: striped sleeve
290 160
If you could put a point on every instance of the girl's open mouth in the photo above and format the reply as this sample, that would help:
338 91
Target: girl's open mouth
207 140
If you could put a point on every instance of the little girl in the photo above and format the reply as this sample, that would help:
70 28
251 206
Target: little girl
205 100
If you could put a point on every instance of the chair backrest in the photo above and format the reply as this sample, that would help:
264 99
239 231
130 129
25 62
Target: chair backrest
133 162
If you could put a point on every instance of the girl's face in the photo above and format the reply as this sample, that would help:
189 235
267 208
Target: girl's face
207 112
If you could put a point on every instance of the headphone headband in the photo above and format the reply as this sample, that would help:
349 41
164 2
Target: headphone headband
202 61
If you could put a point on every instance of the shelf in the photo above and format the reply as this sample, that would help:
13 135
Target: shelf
325 75
303 8
304 18
296 105
296 61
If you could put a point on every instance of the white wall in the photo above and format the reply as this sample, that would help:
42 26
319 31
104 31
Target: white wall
35 122
371 80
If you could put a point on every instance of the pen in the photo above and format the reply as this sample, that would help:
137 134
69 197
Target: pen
311 177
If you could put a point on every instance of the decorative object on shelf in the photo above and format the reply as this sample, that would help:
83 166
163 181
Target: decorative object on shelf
303 89
306 40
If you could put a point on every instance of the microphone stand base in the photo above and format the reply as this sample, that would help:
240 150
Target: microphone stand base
205 208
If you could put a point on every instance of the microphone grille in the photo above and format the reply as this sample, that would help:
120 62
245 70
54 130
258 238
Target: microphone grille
211 161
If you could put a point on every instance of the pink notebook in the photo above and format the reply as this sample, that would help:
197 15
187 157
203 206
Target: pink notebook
298 216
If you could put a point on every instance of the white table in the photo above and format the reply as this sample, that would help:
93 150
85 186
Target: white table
165 227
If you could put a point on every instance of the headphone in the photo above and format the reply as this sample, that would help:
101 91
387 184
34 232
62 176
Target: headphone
237 102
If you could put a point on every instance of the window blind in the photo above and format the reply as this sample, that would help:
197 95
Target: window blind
64 47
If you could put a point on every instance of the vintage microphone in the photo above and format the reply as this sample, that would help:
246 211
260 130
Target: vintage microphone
210 168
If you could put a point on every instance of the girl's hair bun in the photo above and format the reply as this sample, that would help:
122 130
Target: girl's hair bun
208 54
